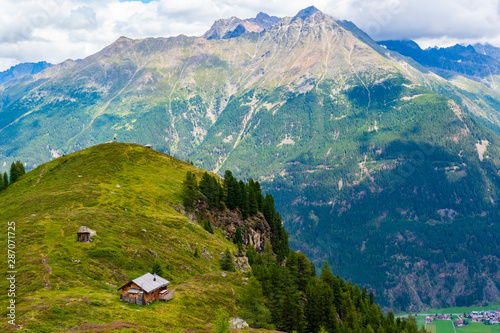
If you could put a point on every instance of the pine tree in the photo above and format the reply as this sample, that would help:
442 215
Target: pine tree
371 296
232 195
208 226
238 239
244 200
251 254
227 263
14 173
253 207
5 180
20 167
190 193
253 304
292 311
326 275
209 187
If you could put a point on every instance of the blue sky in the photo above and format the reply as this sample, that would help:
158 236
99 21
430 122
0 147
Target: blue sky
55 30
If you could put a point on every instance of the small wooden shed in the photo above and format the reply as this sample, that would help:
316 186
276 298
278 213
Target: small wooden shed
146 289
84 234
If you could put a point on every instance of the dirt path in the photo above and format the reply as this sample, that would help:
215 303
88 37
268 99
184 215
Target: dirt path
49 271
41 174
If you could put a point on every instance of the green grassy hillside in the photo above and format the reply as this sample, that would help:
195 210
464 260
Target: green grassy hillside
126 193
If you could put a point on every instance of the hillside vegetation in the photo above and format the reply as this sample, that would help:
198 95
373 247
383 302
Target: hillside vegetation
127 194
131 196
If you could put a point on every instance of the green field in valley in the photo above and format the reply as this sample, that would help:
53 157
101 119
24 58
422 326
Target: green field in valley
479 328
445 326
463 309
441 326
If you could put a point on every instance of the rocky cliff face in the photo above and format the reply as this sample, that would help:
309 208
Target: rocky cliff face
256 231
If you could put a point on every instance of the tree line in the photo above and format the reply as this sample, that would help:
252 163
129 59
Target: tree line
16 171
233 194
289 297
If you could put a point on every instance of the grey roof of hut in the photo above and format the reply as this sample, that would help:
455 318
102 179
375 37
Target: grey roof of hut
147 282
84 230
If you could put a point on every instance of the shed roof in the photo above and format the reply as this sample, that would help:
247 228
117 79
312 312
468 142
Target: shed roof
84 230
147 282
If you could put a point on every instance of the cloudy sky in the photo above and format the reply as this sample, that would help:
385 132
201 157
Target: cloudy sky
55 30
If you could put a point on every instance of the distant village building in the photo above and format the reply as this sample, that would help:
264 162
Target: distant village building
150 146
146 289
84 234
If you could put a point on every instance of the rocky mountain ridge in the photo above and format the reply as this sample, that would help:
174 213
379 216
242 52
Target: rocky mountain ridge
235 27
27 68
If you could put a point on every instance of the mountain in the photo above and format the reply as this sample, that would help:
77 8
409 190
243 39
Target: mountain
376 163
235 27
488 50
26 68
458 59
132 197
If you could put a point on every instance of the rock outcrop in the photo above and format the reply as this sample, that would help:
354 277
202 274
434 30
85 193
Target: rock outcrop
237 323
255 229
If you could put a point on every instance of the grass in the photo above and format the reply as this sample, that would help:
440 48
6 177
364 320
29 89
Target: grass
463 309
128 194
441 326
479 328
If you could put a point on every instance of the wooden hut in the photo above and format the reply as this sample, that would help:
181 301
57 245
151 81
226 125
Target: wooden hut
145 289
84 233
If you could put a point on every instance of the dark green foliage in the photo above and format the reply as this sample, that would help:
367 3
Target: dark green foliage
238 239
253 304
253 206
279 236
299 301
207 226
227 263
16 171
157 269
251 254
244 204
5 180
190 192
211 189
221 322
196 253
232 191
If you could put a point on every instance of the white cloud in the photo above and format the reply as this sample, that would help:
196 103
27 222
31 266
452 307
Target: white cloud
54 30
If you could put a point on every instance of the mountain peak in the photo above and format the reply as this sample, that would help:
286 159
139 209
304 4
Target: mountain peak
235 27
306 12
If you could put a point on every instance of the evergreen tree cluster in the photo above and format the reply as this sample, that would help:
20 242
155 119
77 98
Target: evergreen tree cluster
289 297
247 198
16 171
